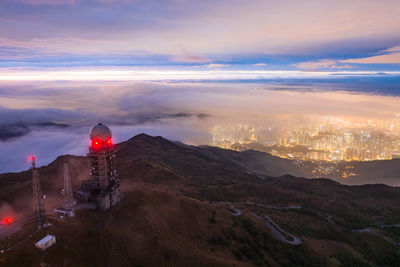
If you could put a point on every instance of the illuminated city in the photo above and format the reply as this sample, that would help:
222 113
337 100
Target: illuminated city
328 139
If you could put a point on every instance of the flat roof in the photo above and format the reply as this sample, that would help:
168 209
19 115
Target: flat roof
45 239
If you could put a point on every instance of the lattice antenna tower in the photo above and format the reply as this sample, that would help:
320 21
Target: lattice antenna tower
39 211
69 200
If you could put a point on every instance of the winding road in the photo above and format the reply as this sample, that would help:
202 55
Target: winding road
276 230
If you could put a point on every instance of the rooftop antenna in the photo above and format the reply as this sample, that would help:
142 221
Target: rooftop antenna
39 211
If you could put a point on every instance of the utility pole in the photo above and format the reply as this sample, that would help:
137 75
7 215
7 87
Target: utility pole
39 211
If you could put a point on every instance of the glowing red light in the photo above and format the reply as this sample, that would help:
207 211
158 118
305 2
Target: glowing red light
96 144
109 142
7 220
31 158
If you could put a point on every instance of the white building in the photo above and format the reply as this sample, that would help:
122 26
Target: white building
46 242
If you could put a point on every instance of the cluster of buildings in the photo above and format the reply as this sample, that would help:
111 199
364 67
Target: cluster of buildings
338 144
323 141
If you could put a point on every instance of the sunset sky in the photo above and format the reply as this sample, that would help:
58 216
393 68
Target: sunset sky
201 35
177 68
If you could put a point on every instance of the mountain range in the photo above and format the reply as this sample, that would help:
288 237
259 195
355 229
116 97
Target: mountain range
205 206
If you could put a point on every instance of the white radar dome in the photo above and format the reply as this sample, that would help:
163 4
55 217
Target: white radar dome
100 132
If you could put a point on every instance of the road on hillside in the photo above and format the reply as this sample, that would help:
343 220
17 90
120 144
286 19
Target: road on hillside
278 232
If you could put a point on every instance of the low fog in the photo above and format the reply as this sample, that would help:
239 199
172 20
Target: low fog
48 119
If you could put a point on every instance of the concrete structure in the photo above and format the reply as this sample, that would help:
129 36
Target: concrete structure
103 186
46 242
38 204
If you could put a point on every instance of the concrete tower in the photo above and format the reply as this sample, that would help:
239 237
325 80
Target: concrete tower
103 185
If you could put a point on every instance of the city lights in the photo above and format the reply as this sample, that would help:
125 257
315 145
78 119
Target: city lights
329 139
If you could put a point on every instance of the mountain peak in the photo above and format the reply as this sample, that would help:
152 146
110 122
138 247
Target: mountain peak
147 138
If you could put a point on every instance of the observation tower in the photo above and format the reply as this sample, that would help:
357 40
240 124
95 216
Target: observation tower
103 185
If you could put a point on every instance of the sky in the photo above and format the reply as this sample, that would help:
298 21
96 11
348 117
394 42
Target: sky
178 68
224 34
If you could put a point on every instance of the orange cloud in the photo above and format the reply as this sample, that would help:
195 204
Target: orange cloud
190 58
322 64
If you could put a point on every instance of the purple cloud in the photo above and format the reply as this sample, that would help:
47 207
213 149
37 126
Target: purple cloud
48 2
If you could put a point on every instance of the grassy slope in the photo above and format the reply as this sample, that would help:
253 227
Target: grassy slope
164 220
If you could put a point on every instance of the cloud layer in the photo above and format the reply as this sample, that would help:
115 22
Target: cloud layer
168 32
49 119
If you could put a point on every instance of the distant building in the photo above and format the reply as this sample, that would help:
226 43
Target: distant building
103 187
396 155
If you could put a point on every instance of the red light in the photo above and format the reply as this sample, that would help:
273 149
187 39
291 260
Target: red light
7 220
31 158
96 144
109 142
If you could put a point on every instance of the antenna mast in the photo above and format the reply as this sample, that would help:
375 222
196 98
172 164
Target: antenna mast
39 211
69 200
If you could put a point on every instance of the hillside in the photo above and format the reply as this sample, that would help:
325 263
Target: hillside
366 172
204 206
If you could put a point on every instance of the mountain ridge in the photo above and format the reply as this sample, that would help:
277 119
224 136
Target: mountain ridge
187 205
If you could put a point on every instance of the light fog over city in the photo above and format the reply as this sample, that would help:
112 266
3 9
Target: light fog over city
294 120
328 139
